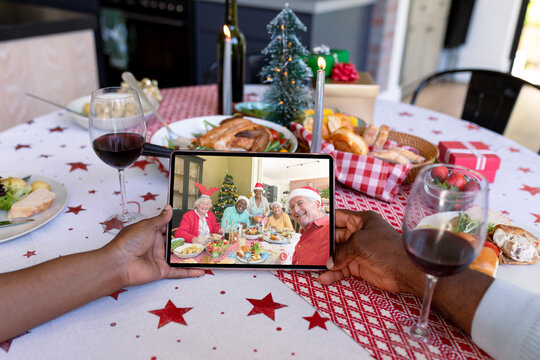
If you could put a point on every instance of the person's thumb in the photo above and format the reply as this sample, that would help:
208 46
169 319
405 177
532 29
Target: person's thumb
162 219
342 257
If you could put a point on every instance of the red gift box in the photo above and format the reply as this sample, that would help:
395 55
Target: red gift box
471 154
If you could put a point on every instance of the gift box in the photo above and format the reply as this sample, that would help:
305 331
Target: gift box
471 154
332 58
356 98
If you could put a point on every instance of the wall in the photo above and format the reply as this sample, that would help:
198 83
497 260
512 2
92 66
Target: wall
490 36
240 169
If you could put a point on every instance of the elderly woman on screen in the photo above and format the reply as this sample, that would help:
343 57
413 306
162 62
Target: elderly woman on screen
279 220
258 205
197 224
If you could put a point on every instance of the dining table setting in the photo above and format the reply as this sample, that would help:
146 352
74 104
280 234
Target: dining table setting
233 314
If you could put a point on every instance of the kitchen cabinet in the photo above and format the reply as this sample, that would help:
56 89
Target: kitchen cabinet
426 28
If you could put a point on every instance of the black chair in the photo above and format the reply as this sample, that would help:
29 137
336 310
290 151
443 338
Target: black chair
490 99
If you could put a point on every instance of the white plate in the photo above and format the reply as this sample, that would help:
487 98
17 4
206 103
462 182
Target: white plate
187 256
189 127
252 237
78 105
243 260
60 200
279 241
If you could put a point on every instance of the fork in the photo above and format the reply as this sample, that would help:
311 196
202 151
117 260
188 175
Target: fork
181 141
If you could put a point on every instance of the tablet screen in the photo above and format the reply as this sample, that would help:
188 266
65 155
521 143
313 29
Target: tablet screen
251 210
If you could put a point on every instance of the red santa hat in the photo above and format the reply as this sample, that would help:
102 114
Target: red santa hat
306 191
258 186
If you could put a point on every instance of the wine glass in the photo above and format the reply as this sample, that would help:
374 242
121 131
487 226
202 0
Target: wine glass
444 228
117 131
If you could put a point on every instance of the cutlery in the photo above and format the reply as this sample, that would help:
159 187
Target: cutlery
55 104
181 141
4 223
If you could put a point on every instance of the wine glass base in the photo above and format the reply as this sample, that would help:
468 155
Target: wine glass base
420 334
117 222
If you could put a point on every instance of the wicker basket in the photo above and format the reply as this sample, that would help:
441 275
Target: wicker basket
429 151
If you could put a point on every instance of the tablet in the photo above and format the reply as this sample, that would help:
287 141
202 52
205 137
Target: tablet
240 210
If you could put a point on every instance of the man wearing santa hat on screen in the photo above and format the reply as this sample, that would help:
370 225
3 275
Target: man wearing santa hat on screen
313 248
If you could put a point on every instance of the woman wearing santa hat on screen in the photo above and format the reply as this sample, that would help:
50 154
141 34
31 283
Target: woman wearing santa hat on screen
313 248
258 205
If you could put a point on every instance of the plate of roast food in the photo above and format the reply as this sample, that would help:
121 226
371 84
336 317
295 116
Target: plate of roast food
275 238
230 133
252 233
28 202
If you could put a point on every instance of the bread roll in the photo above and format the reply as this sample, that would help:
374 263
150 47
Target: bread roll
370 135
381 137
414 158
308 124
37 201
517 245
487 260
339 120
348 141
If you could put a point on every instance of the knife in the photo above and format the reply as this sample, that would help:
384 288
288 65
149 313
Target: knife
14 222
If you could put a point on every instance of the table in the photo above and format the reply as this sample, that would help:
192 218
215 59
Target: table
241 314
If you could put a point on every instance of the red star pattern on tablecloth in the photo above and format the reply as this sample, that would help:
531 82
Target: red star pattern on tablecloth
116 193
265 306
525 170
512 149
170 313
141 164
149 196
45 156
432 118
78 165
472 127
6 344
532 190
30 253
21 146
209 272
505 212
92 191
115 294
75 209
404 113
316 320
57 129
30 122
113 223
537 221
437 132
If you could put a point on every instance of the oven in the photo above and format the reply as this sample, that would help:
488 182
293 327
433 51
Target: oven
150 38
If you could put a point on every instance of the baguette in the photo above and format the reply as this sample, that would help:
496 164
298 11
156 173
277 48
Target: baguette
37 201
414 158
391 156
370 135
381 138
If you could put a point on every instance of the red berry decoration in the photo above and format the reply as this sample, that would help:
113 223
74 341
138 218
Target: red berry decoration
457 180
440 173
344 72
471 185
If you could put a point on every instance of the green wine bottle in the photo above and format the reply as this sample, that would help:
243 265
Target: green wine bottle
238 61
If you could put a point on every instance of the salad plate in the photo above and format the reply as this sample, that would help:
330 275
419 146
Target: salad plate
60 200
178 251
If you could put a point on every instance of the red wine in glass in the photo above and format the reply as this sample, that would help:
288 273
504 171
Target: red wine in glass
118 150
439 252
117 132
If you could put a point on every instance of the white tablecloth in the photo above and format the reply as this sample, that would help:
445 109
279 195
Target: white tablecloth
225 314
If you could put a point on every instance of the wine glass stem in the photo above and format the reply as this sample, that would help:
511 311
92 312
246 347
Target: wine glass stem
125 214
421 330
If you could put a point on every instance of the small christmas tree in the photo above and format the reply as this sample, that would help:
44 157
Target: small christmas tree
286 70
228 194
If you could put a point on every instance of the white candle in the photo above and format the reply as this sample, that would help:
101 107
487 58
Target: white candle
227 76
316 136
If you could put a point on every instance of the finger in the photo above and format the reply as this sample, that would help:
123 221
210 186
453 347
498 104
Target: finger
162 219
329 277
177 273
345 253
341 217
